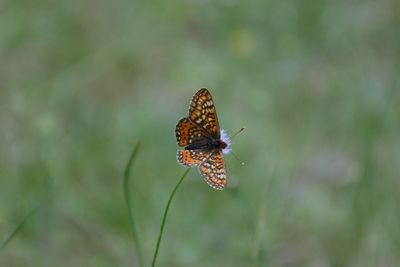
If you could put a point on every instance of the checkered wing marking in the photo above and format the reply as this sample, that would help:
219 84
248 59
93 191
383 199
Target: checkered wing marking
202 112
192 158
213 170
187 133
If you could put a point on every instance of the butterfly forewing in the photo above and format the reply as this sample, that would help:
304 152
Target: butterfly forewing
213 170
192 158
187 133
202 112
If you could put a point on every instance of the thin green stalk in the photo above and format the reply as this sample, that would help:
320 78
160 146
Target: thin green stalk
127 195
165 217
17 230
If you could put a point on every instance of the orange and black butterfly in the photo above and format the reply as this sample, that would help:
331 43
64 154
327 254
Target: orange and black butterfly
203 140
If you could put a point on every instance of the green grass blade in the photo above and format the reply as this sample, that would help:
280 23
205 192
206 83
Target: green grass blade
17 230
165 217
127 196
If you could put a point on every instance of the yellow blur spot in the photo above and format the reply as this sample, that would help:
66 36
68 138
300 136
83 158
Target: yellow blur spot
241 42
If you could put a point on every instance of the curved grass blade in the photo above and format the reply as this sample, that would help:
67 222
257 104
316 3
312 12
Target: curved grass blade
165 217
127 196
17 230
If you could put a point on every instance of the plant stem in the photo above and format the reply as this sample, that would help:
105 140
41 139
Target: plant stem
165 217
17 229
127 195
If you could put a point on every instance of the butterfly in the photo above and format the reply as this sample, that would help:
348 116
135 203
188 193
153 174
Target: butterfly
203 141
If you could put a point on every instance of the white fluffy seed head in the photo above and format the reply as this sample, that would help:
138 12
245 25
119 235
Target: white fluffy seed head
225 138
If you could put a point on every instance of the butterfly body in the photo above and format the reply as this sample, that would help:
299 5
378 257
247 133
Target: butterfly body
200 135
210 144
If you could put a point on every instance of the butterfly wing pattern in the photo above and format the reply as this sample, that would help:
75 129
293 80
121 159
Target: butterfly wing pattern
213 170
202 112
188 133
200 134
192 158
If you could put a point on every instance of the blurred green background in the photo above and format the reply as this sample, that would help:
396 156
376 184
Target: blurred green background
316 83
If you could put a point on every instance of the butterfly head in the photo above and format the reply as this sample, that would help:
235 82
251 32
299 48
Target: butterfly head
227 142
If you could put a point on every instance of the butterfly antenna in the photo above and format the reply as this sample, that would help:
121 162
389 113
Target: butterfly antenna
236 157
238 132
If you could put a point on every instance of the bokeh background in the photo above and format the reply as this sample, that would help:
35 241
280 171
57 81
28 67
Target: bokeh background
316 83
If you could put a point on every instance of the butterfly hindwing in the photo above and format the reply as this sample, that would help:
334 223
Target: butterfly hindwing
192 158
213 170
202 112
